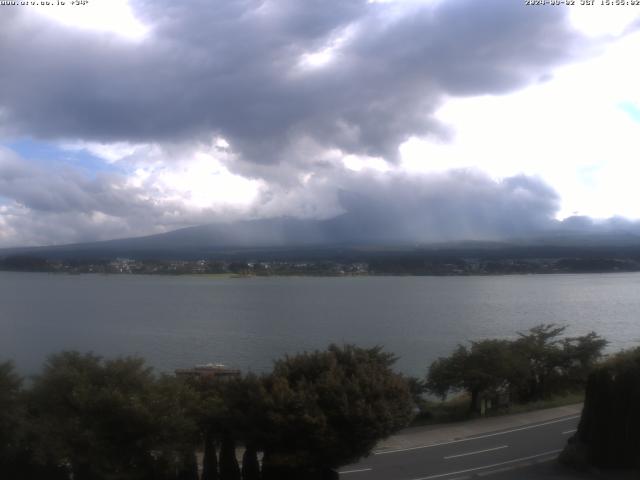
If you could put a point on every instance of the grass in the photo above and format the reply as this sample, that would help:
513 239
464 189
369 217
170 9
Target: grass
552 402
456 409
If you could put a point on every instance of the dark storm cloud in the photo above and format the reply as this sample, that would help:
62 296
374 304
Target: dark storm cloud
233 67
584 224
454 205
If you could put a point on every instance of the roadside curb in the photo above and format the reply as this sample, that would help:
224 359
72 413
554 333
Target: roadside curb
416 437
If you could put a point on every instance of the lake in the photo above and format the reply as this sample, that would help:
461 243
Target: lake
247 322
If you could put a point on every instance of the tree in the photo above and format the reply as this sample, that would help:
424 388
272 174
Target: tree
209 459
230 412
229 468
112 418
446 373
250 464
20 452
188 465
210 417
12 422
93 413
608 435
553 364
244 420
174 406
537 364
544 359
10 412
326 409
484 369
581 355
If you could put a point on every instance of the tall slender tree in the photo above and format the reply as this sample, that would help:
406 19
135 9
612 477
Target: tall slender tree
229 468
210 458
250 464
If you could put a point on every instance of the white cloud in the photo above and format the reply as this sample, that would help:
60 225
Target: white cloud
167 187
201 182
116 151
569 130
114 16
323 56
193 175
598 20
360 162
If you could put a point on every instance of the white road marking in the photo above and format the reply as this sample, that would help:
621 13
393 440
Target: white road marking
565 419
570 431
510 468
552 452
355 471
476 452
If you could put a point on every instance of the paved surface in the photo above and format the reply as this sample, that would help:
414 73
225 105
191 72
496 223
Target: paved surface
487 447
552 470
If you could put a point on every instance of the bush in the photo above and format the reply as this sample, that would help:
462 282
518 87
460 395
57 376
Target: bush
608 435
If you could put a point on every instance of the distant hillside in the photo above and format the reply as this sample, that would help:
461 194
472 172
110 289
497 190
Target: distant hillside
345 235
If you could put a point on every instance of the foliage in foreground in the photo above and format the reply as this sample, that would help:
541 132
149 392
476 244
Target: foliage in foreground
608 435
88 418
328 409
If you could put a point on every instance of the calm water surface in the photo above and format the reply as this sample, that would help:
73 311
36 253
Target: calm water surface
180 321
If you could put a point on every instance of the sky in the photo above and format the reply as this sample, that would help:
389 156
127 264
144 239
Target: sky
449 119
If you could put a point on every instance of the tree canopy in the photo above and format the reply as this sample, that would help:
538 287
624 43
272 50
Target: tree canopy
330 408
538 363
485 367
106 417
608 435
87 418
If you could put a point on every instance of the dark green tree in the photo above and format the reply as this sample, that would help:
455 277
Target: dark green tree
111 419
175 407
13 434
417 387
213 420
541 350
10 410
210 458
537 364
250 464
608 435
245 402
581 355
551 364
229 468
20 455
483 369
446 373
329 408
188 466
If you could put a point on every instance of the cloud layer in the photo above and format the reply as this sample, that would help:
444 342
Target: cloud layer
267 100
244 70
68 205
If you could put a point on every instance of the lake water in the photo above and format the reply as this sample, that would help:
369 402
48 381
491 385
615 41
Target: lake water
246 323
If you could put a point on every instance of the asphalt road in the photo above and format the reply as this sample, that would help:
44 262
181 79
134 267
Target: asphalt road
469 457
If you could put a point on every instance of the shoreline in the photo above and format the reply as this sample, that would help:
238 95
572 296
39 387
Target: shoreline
303 275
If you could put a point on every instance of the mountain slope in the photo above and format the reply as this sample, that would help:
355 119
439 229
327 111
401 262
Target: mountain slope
284 235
